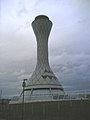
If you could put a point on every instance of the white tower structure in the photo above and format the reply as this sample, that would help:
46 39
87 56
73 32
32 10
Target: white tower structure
43 84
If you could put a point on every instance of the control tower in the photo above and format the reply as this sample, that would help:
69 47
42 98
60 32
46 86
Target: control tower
43 84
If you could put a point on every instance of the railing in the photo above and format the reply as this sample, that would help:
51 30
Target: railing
55 97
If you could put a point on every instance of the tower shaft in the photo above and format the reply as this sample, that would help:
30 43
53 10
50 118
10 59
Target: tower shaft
42 28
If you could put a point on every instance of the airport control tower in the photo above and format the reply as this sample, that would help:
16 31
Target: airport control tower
43 84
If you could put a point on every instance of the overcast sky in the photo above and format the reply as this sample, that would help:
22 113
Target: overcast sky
69 42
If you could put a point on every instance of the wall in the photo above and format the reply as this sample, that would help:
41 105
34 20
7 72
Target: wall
54 110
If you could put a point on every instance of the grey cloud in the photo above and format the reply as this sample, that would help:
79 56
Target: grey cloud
72 70
41 1
71 61
11 80
22 11
22 71
24 76
27 24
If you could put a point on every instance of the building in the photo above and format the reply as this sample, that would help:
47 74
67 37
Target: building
43 84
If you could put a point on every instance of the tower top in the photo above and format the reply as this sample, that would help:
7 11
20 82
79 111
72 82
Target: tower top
41 17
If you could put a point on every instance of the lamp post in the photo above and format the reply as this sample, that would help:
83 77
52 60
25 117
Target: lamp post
23 85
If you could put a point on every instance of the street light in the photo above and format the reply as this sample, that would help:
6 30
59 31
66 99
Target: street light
23 85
